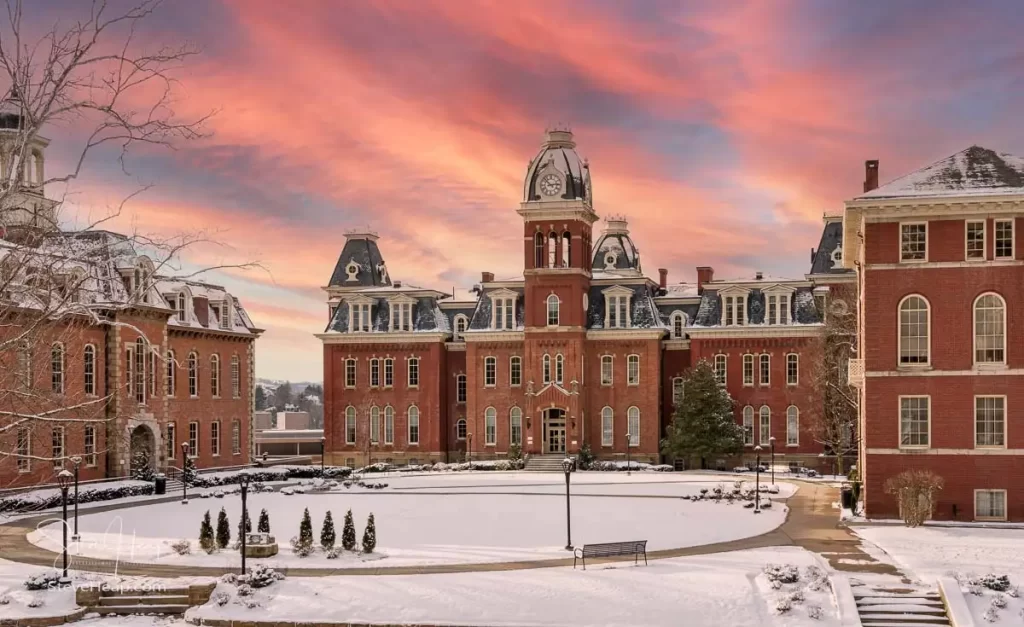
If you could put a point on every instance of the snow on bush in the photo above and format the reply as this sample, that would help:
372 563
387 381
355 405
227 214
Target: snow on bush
36 602
4 599
221 598
44 581
999 583
784 573
182 547
334 553
817 579
244 590
815 612
999 602
264 475
261 576
87 493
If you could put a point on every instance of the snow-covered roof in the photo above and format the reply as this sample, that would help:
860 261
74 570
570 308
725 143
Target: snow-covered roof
681 290
757 278
975 170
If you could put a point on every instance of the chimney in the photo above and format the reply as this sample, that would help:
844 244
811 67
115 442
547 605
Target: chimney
397 284
486 277
662 278
870 175
759 275
705 274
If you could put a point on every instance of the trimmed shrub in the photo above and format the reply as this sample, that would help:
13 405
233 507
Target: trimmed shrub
348 533
182 547
263 526
223 530
206 539
44 581
915 490
370 536
327 533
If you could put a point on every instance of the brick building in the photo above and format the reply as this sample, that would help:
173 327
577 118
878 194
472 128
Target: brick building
941 273
104 358
581 349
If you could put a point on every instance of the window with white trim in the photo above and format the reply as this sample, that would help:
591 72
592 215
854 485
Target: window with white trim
236 437
374 372
350 425
389 372
236 377
778 308
490 426
989 421
374 424
633 370
89 369
89 445
734 310
914 331
215 375
490 371
359 317
792 369
389 425
350 372
545 367
215 438
678 325
57 440
552 311
1004 239
748 370
225 315
766 425
975 245
172 446
171 376
989 329
504 311
57 368
606 369
515 371
616 313
23 450
914 242
559 368
140 371
414 425
766 369
179 309
193 375
401 316
607 427
633 419
193 439
515 426
460 429
748 426
678 390
990 504
915 414
461 323
460 388
792 426
414 372
720 368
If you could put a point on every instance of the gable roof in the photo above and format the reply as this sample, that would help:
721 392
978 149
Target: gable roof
974 170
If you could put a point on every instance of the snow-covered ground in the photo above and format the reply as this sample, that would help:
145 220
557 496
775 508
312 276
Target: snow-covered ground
16 601
444 518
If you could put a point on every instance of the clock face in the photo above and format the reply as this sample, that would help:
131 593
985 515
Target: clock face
551 184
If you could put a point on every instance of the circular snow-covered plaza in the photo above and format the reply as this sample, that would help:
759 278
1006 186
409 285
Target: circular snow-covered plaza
441 518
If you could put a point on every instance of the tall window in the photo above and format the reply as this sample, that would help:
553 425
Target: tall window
179 309
193 439
389 372
976 240
792 369
990 504
1004 239
504 314
792 426
374 372
57 446
914 327
990 421
566 249
633 370
748 426
678 390
618 311
236 437
24 450
359 317
678 324
490 426
552 250
552 311
720 369
193 375
389 425
375 424
401 316
606 370
57 368
151 373
490 371
734 310
89 445
748 370
460 328
215 438
414 425
766 369
989 329
914 242
633 417
215 375
414 372
236 377
766 425
350 373
914 421
460 429
607 427
350 425
171 378
515 426
460 388
172 442
546 368
778 309
515 371
140 371
559 368
538 250
25 363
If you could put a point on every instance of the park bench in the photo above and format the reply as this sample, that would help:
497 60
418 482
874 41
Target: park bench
611 549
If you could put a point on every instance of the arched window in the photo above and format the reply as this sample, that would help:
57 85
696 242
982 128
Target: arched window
515 426
989 329
633 417
678 325
374 424
389 425
172 378
914 331
607 369
460 429
766 425
538 250
792 426
350 425
748 426
490 426
546 363
720 368
607 427
552 310
215 375
460 327
89 370
566 249
57 368
559 368
552 250
414 425
193 375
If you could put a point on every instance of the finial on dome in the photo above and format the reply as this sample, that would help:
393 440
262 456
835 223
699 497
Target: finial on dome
559 136
616 224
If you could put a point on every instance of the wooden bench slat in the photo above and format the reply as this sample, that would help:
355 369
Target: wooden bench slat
610 549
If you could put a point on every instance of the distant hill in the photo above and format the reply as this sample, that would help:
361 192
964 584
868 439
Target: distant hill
269 385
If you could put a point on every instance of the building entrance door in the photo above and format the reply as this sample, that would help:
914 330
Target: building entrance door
554 431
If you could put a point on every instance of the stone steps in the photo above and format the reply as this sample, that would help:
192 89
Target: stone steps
544 463
148 601
900 608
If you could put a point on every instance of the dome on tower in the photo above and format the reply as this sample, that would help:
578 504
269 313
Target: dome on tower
557 173
615 251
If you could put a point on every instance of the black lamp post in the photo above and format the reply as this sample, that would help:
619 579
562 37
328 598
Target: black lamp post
771 441
64 479
77 461
323 447
757 481
567 466
243 482
629 464
469 449
184 467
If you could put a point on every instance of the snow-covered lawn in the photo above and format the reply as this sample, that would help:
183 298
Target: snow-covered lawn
444 518
724 589
16 601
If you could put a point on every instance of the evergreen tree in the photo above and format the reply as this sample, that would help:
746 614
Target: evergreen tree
223 529
283 396
348 534
370 536
264 524
189 474
142 470
703 424
306 529
247 524
261 398
327 533
206 541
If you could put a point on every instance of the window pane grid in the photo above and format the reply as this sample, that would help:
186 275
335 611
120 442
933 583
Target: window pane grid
914 331
914 414
989 334
976 240
1004 239
990 421
607 427
748 425
913 242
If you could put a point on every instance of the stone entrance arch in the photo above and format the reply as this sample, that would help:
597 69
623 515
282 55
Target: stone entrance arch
142 452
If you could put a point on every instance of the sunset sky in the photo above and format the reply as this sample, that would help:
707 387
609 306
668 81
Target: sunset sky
722 130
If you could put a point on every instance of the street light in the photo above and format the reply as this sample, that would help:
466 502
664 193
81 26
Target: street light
629 465
77 461
757 481
184 467
567 466
771 441
469 449
243 481
64 479
323 447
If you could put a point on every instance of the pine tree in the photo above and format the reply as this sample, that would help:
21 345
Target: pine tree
703 424
142 470
306 529
348 534
370 536
223 529
248 525
206 541
264 524
327 533
189 473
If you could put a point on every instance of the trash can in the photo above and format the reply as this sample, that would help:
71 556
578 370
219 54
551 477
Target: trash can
847 497
160 481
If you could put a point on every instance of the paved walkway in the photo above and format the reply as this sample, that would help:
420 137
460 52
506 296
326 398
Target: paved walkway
812 524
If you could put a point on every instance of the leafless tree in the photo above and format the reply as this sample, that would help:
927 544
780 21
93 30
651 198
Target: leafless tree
835 425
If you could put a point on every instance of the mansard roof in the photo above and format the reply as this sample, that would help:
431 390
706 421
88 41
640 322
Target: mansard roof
360 263
974 170
643 312
827 258
709 313
558 154
615 253
426 315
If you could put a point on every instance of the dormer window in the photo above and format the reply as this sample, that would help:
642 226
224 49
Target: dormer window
225 314
777 303
460 328
401 315
617 307
359 316
503 308
181 308
734 309
678 325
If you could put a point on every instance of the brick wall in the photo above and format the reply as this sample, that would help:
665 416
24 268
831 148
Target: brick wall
620 397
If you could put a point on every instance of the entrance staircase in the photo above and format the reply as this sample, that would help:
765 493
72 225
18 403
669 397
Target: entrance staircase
545 463
885 607
167 601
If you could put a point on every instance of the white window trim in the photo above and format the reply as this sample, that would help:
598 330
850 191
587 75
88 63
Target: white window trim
760 428
355 373
511 415
408 425
1013 237
389 412
388 361
797 381
753 424
487 415
725 369
456 336
899 242
215 441
899 422
984 240
990 518
680 317
396 306
605 442
408 373
495 360
760 381
681 382
974 333
461 438
558 310
611 379
797 443
559 369
508 296
614 293
741 296
899 334
355 422
637 382
782 293
465 386
634 438
353 303
753 369
1006 416
511 360
193 446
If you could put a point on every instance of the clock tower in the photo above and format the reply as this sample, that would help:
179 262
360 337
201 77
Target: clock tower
558 215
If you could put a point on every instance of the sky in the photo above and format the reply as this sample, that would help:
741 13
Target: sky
723 131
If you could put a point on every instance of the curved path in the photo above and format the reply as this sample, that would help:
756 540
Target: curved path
811 524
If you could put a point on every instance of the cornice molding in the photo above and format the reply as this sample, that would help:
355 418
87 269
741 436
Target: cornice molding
455 347
754 331
997 263
885 209
382 338
494 336
923 372
676 345
626 334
